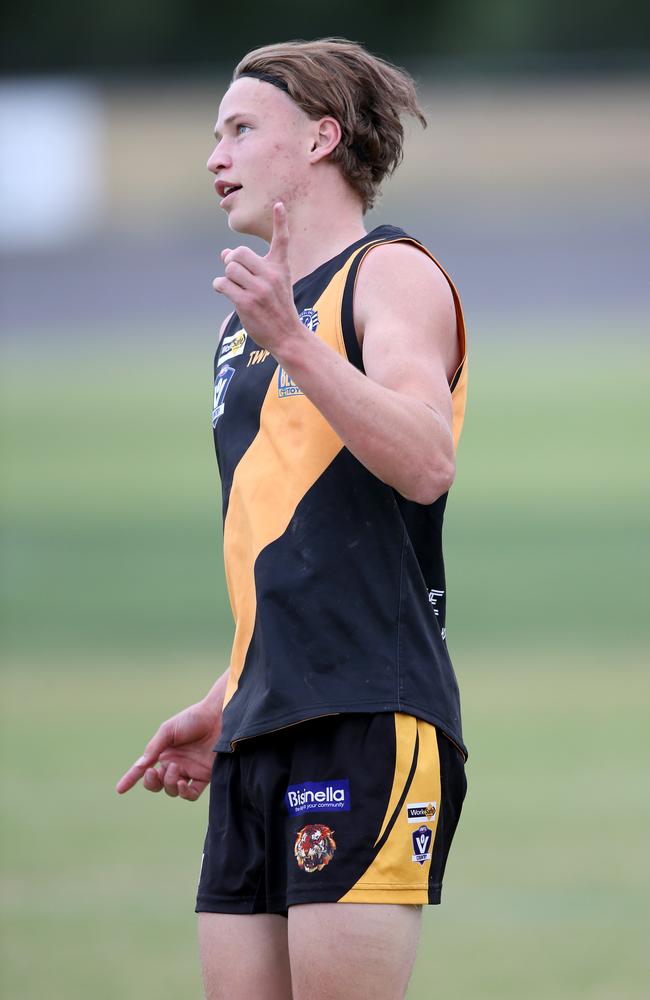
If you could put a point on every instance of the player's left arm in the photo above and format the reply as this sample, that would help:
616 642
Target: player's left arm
405 319
397 418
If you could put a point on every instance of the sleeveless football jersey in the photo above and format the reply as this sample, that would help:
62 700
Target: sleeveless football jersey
336 582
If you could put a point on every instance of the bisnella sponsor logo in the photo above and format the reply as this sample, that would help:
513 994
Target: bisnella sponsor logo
323 796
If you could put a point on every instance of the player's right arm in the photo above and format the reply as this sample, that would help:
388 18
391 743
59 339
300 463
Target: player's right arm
178 758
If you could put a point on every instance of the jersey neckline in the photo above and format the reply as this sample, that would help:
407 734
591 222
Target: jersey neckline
374 234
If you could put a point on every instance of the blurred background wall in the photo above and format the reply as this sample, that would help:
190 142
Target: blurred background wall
531 187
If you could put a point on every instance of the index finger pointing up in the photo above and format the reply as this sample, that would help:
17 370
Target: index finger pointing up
280 239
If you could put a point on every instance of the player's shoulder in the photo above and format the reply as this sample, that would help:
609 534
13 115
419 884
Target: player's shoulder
224 325
397 273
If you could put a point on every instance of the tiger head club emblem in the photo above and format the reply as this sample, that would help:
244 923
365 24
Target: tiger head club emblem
314 847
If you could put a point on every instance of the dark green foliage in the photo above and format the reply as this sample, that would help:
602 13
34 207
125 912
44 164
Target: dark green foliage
194 34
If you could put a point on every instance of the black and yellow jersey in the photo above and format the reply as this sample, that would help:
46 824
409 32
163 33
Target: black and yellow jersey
336 582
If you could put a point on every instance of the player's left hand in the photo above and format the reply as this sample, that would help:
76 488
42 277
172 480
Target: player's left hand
260 288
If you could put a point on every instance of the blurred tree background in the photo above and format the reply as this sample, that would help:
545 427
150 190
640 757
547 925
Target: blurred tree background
39 37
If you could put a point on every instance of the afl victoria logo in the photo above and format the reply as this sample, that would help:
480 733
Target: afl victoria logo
422 845
221 383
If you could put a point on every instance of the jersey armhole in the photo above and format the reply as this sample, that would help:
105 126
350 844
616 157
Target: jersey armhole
348 329
352 348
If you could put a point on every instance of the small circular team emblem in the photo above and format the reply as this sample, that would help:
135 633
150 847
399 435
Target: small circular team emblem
310 318
314 847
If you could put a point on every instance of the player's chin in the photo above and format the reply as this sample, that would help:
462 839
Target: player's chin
238 222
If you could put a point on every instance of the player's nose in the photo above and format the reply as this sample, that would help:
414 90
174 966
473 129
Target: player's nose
219 159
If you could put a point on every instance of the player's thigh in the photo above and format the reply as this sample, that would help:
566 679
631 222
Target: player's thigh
341 950
244 956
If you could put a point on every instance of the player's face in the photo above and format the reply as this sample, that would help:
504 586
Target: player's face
263 145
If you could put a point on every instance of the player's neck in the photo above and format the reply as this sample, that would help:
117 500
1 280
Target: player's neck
319 246
320 229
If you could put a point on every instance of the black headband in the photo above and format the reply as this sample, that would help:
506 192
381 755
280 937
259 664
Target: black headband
266 78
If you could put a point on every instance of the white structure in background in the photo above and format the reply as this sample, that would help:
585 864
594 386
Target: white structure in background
52 182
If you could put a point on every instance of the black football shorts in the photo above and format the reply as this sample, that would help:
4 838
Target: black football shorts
344 808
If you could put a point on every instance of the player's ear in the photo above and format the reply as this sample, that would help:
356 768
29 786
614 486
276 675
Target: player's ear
325 138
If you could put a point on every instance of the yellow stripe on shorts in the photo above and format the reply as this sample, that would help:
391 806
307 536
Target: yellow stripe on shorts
393 876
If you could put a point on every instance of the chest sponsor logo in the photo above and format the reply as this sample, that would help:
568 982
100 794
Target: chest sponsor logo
314 847
422 838
421 812
256 357
286 385
221 383
232 346
321 796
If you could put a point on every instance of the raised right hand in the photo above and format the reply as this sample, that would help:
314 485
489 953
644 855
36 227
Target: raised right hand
183 750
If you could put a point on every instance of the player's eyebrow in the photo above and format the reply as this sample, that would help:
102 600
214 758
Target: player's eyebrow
231 118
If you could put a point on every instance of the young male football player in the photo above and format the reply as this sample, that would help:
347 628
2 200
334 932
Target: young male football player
339 388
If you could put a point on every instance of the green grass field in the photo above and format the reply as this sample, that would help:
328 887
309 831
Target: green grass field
115 616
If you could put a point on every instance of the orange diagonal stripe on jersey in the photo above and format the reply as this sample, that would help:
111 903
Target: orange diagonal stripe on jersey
292 449
274 475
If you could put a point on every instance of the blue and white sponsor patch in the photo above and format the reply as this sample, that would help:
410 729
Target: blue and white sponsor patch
221 383
422 845
286 385
321 796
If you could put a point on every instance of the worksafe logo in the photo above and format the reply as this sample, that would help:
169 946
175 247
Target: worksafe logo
221 383
232 346
422 838
321 796
421 812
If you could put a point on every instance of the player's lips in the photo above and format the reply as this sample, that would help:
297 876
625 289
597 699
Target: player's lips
226 189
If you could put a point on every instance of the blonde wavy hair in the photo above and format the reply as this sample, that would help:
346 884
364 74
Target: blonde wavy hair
365 94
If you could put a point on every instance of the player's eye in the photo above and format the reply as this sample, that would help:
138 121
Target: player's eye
240 127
